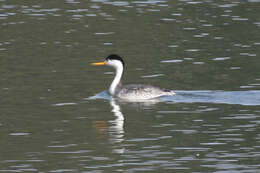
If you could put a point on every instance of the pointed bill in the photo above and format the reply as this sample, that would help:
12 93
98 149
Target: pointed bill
99 63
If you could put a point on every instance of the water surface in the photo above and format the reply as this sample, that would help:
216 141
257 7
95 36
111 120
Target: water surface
206 51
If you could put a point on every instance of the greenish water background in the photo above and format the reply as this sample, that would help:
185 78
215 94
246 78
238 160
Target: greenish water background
208 51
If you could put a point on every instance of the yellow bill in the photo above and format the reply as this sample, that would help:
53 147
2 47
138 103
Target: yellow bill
99 63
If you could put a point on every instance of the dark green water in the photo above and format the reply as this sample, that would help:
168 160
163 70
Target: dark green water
207 51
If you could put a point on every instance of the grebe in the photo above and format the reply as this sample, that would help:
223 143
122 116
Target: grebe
133 91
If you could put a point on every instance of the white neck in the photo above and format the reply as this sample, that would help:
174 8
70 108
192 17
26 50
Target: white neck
116 81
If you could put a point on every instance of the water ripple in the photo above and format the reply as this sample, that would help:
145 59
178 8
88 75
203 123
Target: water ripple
226 97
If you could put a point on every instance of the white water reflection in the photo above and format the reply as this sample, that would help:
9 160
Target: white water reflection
116 130
116 127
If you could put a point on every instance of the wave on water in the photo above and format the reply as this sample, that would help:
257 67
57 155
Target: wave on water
251 98
221 97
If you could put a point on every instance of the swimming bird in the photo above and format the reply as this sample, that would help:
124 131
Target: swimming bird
133 91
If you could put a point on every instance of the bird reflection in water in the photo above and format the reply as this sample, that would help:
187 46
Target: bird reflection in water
100 127
116 130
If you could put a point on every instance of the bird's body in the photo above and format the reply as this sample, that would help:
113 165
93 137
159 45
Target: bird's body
141 92
133 91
